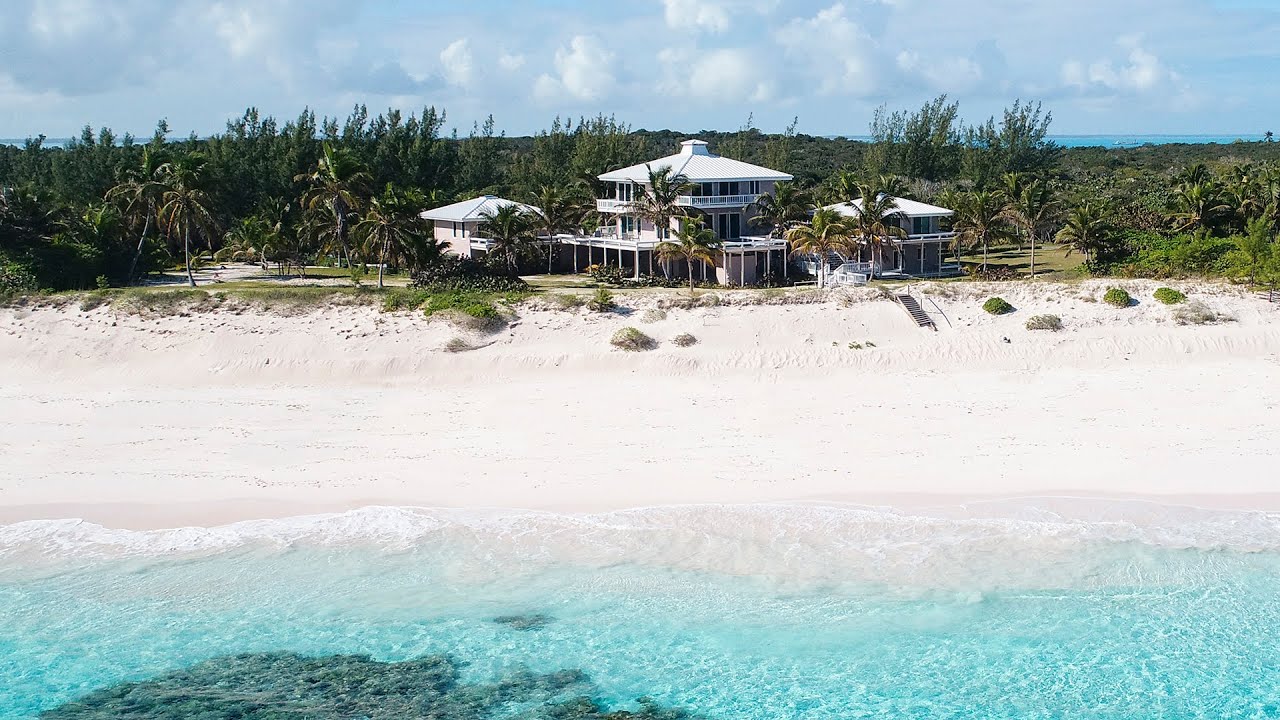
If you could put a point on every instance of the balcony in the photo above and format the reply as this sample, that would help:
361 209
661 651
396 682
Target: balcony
610 205
716 201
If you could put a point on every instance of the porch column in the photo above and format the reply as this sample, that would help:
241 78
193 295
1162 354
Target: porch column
575 258
742 269
768 263
726 266
637 273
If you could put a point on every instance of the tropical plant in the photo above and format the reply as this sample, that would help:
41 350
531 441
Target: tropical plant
559 211
1053 323
1200 206
1030 207
826 232
1169 296
338 183
141 191
980 220
1085 229
246 241
1119 297
511 231
694 242
658 200
1254 250
786 207
393 227
876 222
187 208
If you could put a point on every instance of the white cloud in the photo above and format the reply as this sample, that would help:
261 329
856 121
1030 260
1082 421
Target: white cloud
459 69
716 76
704 14
836 55
237 27
583 72
1141 72
510 62
951 74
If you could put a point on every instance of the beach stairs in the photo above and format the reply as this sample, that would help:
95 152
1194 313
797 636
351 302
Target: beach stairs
917 313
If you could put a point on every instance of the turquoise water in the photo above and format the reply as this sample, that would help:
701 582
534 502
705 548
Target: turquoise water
727 612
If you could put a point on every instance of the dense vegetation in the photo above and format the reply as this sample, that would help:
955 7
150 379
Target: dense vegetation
280 685
104 210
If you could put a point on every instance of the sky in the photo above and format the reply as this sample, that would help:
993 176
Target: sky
1101 66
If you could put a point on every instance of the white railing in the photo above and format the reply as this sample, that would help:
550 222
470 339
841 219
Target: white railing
850 274
716 201
754 242
612 205
928 237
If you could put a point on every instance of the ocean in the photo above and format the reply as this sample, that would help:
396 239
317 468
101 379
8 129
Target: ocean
1085 610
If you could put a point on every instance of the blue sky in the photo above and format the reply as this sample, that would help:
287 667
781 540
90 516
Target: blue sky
1102 66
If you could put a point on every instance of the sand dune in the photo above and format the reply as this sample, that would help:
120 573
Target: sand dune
155 421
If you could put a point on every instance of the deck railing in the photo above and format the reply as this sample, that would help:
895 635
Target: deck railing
716 201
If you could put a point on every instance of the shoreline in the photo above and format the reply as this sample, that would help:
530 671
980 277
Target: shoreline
206 418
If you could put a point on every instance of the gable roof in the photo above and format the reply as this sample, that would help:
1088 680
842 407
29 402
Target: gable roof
909 208
471 210
697 163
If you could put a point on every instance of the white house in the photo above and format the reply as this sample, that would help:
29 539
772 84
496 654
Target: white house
457 224
722 193
920 253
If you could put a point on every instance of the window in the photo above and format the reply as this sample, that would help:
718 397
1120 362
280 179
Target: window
455 229
728 188
921 225
707 189
755 187
728 226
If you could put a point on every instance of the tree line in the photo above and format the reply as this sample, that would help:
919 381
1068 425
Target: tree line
106 209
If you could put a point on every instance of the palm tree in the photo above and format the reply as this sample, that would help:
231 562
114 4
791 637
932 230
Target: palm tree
140 190
658 200
340 181
1085 229
245 242
693 242
561 211
1030 206
186 207
826 232
391 225
782 210
979 220
511 230
843 187
1200 205
876 222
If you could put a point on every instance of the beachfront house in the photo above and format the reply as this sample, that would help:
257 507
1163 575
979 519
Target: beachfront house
459 224
721 191
922 252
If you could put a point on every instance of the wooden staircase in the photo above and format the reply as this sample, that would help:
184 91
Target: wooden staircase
917 313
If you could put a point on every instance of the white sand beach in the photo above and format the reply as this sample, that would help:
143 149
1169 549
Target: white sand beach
157 421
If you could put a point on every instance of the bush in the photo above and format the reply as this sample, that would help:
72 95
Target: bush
456 273
602 301
16 278
1118 297
567 301
457 345
653 315
1169 296
607 274
631 340
997 306
1197 313
1045 322
684 340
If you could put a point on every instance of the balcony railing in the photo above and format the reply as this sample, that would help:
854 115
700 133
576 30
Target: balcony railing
716 201
929 237
611 205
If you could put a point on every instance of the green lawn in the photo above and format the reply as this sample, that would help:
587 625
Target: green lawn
1052 261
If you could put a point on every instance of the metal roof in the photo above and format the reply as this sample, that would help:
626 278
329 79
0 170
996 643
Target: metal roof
698 164
909 208
471 210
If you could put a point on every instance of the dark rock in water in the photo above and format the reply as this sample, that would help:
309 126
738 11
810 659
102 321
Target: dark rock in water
531 621
272 686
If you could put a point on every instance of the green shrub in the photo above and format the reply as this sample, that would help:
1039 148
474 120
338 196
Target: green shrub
684 340
602 301
1118 297
1045 322
607 274
653 315
16 278
631 340
1169 296
455 273
997 306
